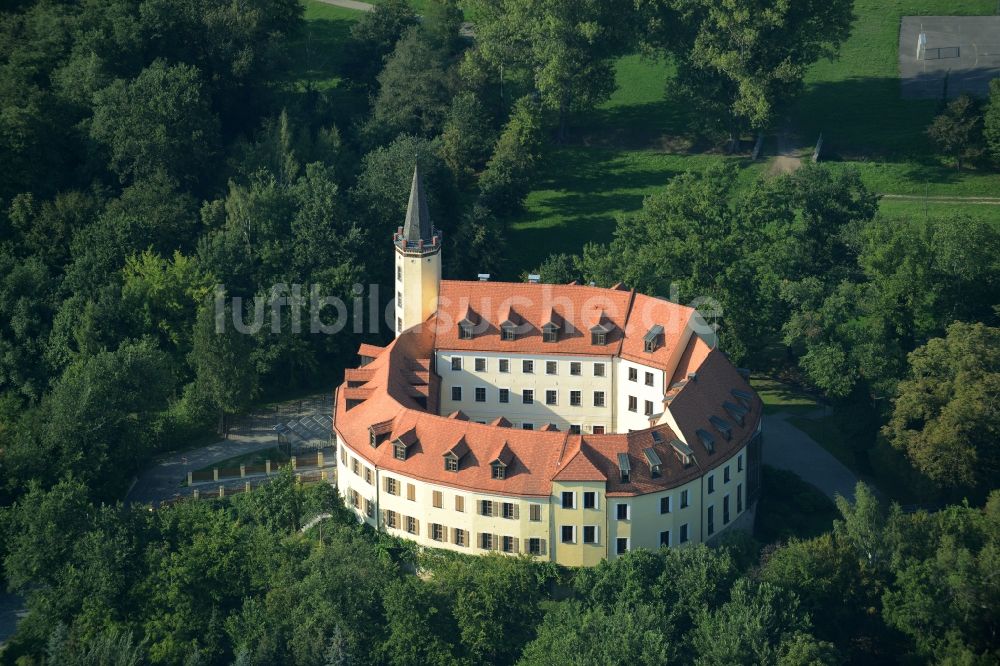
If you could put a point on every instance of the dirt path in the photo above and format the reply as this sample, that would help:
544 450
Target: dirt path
787 159
944 198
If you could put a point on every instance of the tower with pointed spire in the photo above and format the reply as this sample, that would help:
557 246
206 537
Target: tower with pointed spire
418 261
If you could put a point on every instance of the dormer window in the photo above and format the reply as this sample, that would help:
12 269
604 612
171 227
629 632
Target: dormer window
655 464
598 338
651 341
624 467
550 333
453 456
722 426
706 439
682 451
508 331
499 470
465 331
378 433
401 445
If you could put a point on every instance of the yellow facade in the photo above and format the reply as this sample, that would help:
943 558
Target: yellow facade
579 529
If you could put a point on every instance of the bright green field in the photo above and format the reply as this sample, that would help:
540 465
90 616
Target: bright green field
634 142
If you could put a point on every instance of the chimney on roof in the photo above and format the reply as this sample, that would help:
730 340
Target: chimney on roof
484 277
534 278
692 376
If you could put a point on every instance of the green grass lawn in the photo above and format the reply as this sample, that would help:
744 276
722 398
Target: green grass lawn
582 190
318 52
854 100
631 145
779 396
914 209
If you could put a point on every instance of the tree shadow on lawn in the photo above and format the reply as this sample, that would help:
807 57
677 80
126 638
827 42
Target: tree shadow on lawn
318 54
664 126
864 118
580 201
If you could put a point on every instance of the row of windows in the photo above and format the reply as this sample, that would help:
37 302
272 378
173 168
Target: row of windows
460 537
528 366
491 508
633 376
509 332
633 405
528 396
665 539
726 476
392 486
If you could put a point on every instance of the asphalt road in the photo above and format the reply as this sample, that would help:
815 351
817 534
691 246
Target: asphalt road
787 447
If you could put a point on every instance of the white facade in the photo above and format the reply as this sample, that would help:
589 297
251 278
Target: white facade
593 387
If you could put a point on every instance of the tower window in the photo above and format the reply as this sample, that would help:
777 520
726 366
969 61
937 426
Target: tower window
399 299
399 273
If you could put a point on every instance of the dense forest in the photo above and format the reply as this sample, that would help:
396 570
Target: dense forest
150 150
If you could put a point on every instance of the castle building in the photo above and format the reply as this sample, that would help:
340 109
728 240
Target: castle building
569 422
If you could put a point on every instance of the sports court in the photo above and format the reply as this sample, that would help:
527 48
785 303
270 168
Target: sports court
964 50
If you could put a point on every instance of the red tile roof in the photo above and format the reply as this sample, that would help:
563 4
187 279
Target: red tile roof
399 381
530 306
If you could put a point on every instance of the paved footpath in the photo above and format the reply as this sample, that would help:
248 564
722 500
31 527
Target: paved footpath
466 29
165 478
787 447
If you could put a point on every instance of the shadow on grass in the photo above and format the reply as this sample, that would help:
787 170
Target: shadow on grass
664 125
586 189
864 118
790 507
318 55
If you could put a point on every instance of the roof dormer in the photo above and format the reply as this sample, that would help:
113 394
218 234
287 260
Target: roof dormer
468 323
378 433
722 426
600 331
736 412
653 339
402 444
453 456
501 463
655 464
552 326
682 451
624 467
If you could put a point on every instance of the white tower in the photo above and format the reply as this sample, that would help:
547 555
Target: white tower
418 262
